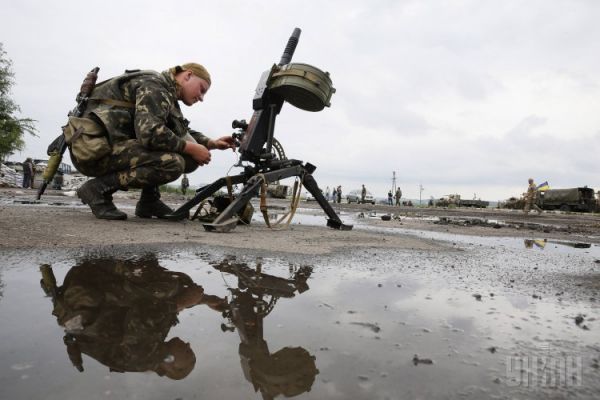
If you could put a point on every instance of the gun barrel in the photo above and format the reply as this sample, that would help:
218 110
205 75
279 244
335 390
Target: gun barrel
286 57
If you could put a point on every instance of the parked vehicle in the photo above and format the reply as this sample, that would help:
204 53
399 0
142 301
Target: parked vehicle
277 191
355 196
474 203
512 203
454 200
574 199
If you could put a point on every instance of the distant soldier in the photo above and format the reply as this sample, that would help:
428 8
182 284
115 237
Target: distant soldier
334 194
390 196
363 194
185 183
28 173
339 194
531 197
398 196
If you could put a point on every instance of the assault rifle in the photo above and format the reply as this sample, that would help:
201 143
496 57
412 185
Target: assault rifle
301 85
58 147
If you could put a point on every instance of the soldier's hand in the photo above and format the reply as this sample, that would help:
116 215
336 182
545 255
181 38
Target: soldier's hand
222 143
198 152
189 297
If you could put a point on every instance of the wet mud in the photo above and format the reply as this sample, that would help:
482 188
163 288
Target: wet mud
501 319
395 309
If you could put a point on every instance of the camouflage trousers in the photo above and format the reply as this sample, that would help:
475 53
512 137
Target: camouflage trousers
530 204
136 166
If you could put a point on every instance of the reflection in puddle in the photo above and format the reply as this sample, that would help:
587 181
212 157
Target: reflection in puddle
541 243
362 324
290 370
120 314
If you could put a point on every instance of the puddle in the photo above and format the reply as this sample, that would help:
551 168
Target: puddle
542 243
201 323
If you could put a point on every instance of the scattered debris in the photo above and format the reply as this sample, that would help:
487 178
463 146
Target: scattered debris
416 360
374 327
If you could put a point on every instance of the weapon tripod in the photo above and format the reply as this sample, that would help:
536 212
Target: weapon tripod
252 178
256 147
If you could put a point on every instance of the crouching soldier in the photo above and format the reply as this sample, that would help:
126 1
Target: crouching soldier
132 134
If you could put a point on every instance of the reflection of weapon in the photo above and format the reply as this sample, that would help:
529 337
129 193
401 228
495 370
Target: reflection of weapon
301 85
48 283
288 371
58 147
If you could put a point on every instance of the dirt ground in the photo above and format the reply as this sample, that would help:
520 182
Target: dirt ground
61 220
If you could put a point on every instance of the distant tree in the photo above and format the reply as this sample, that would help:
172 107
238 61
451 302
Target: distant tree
12 128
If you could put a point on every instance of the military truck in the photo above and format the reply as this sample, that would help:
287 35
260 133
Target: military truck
474 203
277 191
450 200
573 199
455 200
513 203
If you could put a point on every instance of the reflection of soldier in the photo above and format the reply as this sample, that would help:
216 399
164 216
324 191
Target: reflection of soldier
120 313
289 371
531 197
529 243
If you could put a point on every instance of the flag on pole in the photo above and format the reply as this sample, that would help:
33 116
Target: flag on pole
542 187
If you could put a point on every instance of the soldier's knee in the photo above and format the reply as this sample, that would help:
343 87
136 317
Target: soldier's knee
172 164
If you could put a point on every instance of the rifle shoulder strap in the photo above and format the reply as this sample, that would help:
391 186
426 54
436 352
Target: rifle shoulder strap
114 102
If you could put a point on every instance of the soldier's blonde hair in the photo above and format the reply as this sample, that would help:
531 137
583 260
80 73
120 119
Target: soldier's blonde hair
196 69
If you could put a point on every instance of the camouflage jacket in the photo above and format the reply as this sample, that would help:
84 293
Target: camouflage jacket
153 115
532 191
120 312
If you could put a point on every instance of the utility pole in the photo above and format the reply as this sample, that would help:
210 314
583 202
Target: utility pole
421 188
393 181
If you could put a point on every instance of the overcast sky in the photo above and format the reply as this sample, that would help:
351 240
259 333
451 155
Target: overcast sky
465 96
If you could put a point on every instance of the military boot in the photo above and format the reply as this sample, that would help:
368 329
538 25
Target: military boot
97 193
150 204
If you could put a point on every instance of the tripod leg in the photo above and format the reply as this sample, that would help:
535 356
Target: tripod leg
226 221
334 220
203 193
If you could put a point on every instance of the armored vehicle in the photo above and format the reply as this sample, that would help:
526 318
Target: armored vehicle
574 199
